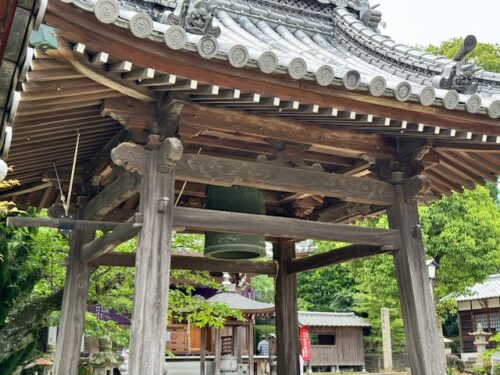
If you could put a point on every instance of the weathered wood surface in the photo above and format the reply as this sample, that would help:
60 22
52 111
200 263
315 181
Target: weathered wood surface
287 322
272 226
97 73
110 240
217 350
74 305
349 350
36 222
201 117
415 187
335 256
125 185
422 338
250 344
228 172
238 343
117 43
193 263
203 344
149 319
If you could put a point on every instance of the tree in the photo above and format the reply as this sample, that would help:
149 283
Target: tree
485 55
31 288
461 231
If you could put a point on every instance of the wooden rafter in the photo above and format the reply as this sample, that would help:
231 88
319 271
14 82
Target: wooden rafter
116 41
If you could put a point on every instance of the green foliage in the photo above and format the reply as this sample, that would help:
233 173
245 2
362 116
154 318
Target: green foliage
462 233
8 366
264 288
485 55
327 288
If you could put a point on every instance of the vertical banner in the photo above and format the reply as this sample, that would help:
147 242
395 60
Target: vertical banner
305 343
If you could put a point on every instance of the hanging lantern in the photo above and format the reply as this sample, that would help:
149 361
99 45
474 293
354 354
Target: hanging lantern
233 245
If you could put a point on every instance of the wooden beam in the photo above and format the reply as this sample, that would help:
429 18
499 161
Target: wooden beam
272 226
287 324
64 54
336 256
109 241
206 117
36 222
227 172
344 211
125 186
193 263
184 64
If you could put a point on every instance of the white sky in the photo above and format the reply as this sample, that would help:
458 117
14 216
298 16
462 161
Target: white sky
426 22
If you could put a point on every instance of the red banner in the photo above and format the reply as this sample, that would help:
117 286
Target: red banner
305 343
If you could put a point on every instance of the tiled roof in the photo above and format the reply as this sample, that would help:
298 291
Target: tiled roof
246 305
328 319
313 41
489 289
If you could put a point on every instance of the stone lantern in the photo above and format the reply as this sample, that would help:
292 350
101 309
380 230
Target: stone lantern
104 361
480 341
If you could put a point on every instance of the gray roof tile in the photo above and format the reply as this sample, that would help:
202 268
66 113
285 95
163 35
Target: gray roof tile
489 289
329 319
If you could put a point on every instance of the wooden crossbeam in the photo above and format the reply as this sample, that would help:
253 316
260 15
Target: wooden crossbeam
193 263
122 188
207 117
336 256
281 227
109 241
228 172
70 224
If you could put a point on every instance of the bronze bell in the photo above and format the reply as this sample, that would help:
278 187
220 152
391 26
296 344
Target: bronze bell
233 245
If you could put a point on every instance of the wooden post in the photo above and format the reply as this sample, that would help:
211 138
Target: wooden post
386 337
287 325
424 347
237 344
74 305
203 343
149 319
217 349
250 345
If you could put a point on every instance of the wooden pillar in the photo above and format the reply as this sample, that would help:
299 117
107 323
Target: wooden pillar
287 325
74 305
203 343
251 345
149 319
217 350
237 344
424 347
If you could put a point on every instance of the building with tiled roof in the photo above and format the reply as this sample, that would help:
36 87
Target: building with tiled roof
481 305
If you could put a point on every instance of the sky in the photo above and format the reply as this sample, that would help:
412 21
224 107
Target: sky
424 22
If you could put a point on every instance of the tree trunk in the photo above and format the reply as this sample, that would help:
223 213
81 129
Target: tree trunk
22 327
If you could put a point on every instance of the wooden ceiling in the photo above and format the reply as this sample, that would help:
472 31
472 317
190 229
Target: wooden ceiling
58 102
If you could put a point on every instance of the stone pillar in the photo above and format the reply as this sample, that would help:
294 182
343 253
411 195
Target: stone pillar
287 324
425 350
386 337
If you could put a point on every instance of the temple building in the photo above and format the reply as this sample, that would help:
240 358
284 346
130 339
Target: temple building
246 120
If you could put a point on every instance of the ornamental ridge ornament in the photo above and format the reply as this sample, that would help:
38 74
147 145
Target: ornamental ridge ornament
195 16
459 73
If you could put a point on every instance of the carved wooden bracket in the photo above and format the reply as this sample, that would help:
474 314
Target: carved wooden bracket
134 158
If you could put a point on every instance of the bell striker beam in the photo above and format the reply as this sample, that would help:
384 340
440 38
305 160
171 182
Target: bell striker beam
74 305
414 289
149 319
287 321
